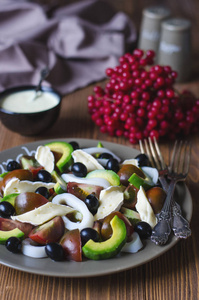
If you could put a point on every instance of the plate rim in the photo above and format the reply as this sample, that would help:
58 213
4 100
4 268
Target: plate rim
159 250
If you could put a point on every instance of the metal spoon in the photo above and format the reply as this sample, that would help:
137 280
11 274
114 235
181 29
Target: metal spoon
44 73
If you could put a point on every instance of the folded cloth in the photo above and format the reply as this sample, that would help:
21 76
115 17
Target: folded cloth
77 42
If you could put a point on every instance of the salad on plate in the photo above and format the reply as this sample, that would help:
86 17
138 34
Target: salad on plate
71 203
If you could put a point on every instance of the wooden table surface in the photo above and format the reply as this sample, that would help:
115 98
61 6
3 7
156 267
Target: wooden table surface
174 275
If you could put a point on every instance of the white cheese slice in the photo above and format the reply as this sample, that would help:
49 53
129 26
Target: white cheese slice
110 199
43 213
87 159
45 158
97 150
131 161
144 208
15 185
92 181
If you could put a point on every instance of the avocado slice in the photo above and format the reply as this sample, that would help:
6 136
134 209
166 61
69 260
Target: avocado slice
109 175
10 198
110 247
60 186
64 151
138 181
28 162
99 145
132 215
4 235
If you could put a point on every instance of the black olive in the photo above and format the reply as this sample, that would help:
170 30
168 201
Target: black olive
79 169
105 155
6 209
89 234
55 251
13 244
44 176
113 164
143 160
143 229
75 145
92 203
42 190
13 165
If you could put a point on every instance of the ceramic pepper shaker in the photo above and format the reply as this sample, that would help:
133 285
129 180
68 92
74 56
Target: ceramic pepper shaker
175 47
151 27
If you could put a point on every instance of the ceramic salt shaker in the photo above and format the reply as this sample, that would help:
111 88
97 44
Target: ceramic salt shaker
175 47
151 27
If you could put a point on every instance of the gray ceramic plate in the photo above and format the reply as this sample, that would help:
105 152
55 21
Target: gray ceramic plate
123 262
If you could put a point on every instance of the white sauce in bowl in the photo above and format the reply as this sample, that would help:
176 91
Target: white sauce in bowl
25 101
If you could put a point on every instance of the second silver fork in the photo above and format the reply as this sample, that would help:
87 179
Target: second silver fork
171 216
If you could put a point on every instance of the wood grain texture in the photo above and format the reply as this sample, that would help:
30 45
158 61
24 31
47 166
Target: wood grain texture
174 275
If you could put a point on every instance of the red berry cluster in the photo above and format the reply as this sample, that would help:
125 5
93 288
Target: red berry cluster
139 101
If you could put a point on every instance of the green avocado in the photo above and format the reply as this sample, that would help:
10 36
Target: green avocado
109 248
99 145
10 198
60 186
109 175
4 235
64 150
138 181
28 162
132 215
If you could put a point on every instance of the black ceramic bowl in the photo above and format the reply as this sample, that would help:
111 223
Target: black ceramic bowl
29 123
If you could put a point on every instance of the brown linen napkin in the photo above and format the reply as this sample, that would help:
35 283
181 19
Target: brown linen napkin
78 42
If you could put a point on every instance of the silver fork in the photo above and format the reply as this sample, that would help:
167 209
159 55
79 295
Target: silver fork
173 216
180 225
178 171
156 160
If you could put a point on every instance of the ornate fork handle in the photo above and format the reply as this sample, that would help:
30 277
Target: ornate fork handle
179 224
162 229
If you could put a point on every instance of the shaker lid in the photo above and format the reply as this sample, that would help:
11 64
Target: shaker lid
156 12
176 24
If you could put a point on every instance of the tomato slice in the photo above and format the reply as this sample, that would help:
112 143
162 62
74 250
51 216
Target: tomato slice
71 243
35 170
49 232
8 224
82 190
21 174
